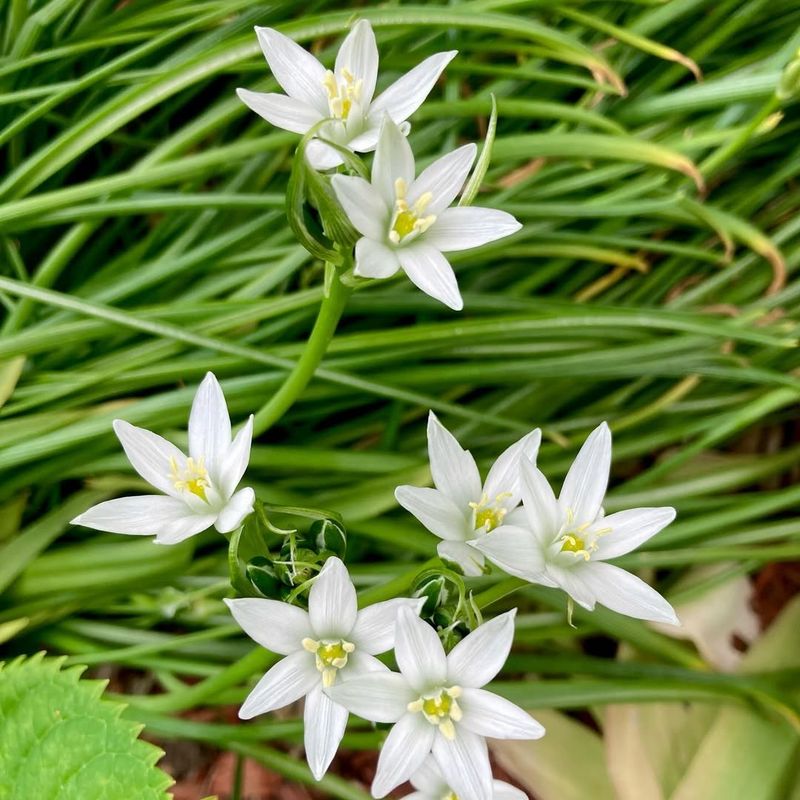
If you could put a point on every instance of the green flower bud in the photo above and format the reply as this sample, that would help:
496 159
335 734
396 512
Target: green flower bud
261 573
329 535
435 590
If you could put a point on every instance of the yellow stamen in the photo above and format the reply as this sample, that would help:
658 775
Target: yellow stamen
193 478
408 219
341 97
440 709
331 656
489 515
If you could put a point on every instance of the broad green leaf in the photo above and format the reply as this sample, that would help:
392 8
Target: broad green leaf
60 739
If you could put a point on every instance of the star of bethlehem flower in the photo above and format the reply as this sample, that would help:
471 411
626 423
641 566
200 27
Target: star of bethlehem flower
431 785
330 642
198 491
461 506
438 705
566 542
406 222
343 96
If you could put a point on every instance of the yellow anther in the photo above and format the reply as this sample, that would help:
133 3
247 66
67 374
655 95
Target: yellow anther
341 97
192 478
489 515
330 657
440 709
581 541
409 220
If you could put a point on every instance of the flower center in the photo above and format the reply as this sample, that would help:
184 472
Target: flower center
489 515
408 221
192 478
450 796
341 96
331 657
578 540
441 709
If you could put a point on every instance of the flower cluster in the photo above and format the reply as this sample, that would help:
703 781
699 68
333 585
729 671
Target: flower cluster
404 219
439 710
562 542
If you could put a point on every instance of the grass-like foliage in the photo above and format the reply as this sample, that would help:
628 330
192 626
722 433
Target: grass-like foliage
654 284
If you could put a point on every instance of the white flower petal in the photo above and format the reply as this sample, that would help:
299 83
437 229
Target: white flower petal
407 94
587 479
332 604
454 471
443 179
234 462
393 160
359 55
505 791
362 204
631 528
300 75
572 581
322 156
374 631
236 510
488 714
289 680
504 476
431 272
464 762
436 511
515 550
281 111
360 663
375 260
470 560
419 652
150 455
209 427
378 697
429 780
279 627
324 726
468 227
367 140
542 512
626 594
169 520
406 747
479 656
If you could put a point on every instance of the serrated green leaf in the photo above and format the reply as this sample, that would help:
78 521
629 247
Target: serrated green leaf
60 740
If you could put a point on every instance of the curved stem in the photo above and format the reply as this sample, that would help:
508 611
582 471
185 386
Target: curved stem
327 319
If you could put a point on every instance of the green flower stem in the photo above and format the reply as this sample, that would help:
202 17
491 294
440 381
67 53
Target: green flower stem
328 318
500 590
396 587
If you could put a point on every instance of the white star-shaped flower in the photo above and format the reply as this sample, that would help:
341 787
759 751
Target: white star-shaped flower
566 542
332 641
461 506
342 96
198 491
406 221
431 785
438 705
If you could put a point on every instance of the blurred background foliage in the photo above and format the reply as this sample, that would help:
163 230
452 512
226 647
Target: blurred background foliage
651 151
